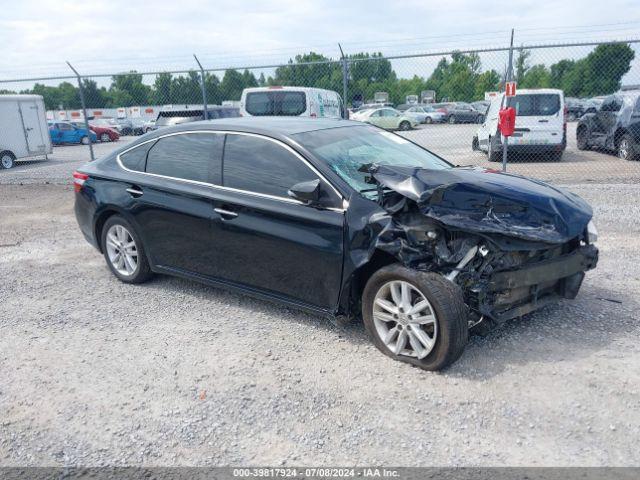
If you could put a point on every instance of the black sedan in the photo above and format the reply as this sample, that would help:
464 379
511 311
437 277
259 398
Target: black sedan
340 219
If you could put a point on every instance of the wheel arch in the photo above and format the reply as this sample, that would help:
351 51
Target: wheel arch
351 296
617 136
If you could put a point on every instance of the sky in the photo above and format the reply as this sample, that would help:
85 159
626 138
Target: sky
38 36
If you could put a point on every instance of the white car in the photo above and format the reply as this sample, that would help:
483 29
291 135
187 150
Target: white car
425 114
540 130
291 102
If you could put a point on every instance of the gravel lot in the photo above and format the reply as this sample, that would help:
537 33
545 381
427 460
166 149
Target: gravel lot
96 372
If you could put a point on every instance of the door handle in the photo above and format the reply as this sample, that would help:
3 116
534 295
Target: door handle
543 121
134 191
225 213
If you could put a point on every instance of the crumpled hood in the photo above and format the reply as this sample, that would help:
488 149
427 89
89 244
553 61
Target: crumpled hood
490 202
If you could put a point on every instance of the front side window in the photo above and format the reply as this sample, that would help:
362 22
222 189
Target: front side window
347 149
189 156
259 165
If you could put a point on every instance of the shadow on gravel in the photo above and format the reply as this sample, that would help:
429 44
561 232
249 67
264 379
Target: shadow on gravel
569 330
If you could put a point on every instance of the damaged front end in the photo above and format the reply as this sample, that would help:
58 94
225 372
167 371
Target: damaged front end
511 244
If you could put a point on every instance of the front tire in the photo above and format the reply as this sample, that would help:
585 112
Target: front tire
428 120
452 119
627 149
123 251
104 138
415 317
84 140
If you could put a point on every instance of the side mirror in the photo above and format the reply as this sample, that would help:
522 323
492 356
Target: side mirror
307 192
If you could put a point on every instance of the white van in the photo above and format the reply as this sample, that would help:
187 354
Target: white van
291 101
541 126
23 128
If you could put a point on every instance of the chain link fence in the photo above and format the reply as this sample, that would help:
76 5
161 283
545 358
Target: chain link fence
578 113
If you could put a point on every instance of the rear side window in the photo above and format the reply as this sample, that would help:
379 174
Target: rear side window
258 165
190 156
136 159
543 104
276 103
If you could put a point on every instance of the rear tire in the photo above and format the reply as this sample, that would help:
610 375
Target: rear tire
7 160
404 125
117 229
84 140
452 119
104 138
627 148
480 119
555 156
445 308
492 154
428 120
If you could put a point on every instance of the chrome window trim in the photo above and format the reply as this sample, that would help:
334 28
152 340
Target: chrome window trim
345 203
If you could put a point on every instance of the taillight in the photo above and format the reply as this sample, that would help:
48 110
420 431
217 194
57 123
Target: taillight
442 110
313 115
78 180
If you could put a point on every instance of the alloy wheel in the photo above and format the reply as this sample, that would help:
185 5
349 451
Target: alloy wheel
122 250
623 149
404 319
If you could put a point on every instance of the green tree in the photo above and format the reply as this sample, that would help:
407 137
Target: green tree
232 85
558 73
161 90
128 90
604 68
186 90
94 97
521 64
536 76
488 81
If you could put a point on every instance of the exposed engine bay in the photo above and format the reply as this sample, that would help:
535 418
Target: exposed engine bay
511 244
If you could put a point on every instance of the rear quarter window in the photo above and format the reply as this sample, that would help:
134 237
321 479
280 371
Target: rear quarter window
276 103
136 158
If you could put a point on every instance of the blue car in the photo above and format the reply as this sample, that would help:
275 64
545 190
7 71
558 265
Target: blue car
65 132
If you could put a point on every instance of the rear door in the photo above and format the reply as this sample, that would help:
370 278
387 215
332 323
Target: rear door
539 119
265 240
172 201
31 121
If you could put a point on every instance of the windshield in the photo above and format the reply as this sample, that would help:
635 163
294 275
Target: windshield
347 149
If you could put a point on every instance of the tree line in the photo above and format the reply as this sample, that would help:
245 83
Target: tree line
458 77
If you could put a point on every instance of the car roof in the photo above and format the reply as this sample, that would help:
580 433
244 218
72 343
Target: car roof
284 126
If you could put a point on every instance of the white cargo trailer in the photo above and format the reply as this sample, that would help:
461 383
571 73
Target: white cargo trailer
23 128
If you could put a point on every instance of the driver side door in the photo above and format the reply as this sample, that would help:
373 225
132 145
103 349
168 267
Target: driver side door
267 241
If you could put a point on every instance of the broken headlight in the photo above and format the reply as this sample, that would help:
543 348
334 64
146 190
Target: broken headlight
592 232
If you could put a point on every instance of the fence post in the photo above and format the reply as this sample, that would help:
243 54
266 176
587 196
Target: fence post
205 115
508 79
84 111
345 75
